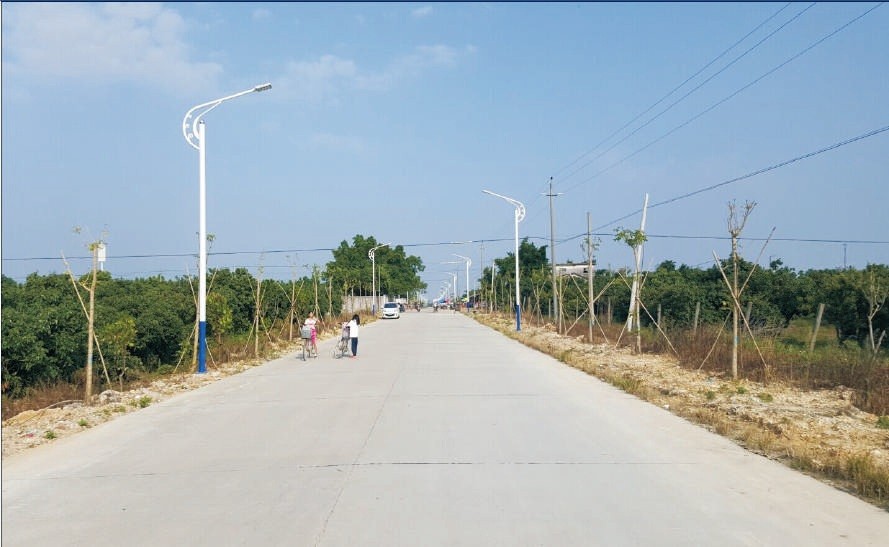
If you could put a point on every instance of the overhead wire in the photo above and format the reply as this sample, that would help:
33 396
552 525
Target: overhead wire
662 99
699 86
537 198
751 174
729 97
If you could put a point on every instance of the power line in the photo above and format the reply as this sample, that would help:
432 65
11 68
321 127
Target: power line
699 86
659 101
754 173
695 89
727 238
729 97
488 240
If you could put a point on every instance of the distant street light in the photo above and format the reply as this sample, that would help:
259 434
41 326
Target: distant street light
194 132
455 288
519 215
468 264
371 254
455 276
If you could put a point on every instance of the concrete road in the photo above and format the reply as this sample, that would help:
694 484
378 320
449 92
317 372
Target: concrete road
442 432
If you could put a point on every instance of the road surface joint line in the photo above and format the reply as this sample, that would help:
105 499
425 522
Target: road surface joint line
352 467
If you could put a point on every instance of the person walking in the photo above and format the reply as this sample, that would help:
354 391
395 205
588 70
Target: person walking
353 334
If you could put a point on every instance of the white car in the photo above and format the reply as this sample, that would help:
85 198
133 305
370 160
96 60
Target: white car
390 310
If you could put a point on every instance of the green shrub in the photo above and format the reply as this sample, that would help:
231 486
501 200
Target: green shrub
766 397
50 434
142 401
883 422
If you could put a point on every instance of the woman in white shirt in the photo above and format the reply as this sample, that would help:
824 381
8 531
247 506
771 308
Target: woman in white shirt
353 334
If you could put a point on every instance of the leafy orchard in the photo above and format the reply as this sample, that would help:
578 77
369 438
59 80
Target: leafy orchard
147 325
776 295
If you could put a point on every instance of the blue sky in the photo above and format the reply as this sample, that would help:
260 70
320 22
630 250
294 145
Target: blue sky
388 120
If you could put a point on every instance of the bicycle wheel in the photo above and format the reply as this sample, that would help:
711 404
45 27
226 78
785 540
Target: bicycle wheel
304 350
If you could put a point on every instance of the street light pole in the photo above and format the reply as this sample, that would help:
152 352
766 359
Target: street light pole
371 254
519 215
195 135
455 278
468 264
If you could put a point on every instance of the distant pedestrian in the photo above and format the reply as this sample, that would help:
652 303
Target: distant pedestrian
312 323
353 334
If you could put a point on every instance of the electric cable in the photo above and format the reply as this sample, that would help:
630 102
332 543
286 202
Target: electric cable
727 98
699 86
753 173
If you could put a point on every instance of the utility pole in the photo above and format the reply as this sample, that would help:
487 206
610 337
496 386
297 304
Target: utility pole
552 255
590 277
94 248
481 267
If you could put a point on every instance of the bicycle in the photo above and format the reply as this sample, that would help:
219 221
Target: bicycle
308 348
342 347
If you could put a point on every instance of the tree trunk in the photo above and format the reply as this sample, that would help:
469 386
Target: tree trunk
817 327
697 317
91 328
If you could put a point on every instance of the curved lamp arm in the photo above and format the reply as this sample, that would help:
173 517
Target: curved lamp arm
188 126
519 206
372 252
466 258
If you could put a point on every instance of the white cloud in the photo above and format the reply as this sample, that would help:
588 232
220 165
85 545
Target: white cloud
325 78
103 42
419 13
318 80
261 13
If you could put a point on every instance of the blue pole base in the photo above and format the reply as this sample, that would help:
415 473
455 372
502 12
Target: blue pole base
202 347
518 318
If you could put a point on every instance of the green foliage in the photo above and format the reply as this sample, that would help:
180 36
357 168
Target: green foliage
43 330
883 422
633 238
533 264
351 268
142 402
220 318
146 325
83 423
50 434
765 397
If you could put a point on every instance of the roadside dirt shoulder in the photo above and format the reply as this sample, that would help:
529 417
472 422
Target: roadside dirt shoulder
819 432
